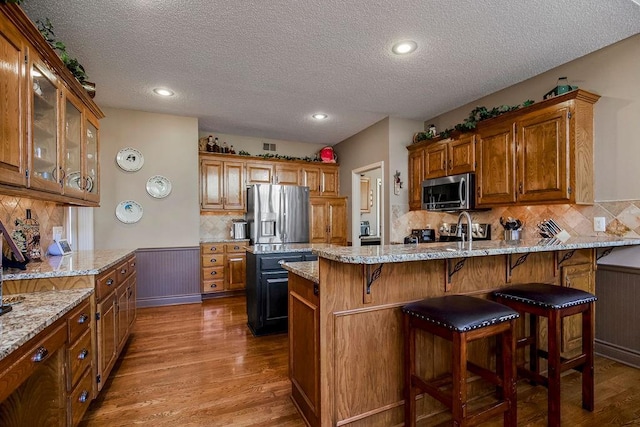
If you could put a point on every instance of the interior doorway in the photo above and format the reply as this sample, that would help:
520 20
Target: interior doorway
367 204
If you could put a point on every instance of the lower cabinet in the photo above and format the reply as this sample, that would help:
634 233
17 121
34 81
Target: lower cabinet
223 266
115 315
267 290
579 276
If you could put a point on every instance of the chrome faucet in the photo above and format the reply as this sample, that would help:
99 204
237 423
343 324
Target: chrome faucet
459 231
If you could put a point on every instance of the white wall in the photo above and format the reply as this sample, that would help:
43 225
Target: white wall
169 146
612 73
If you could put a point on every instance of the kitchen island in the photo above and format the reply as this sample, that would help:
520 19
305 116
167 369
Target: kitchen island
345 328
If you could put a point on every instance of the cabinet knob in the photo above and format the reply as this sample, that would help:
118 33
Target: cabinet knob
83 354
213 260
213 273
109 282
236 248
520 188
83 318
213 248
40 354
123 271
213 285
450 164
83 396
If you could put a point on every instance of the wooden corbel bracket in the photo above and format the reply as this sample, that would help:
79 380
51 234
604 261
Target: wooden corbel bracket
511 266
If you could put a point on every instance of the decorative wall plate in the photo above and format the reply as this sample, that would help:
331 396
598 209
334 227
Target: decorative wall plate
130 159
129 211
158 186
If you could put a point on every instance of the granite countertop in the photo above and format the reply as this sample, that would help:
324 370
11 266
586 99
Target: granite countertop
430 251
77 263
212 240
31 316
276 248
306 269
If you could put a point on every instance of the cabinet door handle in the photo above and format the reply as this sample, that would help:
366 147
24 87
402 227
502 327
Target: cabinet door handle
83 396
213 273
213 249
109 282
235 248
450 164
213 260
83 354
40 354
213 285
520 188
123 271
83 318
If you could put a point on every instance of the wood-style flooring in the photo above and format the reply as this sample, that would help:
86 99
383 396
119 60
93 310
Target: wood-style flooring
198 365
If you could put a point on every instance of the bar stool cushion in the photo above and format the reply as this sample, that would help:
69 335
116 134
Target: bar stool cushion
545 295
460 313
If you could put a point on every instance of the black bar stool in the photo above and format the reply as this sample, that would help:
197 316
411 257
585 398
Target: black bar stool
554 303
461 319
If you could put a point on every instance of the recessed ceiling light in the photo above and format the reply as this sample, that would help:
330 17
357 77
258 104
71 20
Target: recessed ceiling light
163 92
319 116
404 47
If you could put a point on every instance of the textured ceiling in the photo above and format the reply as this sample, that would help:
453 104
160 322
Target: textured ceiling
262 67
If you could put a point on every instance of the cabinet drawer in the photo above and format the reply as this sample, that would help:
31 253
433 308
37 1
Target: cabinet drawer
209 286
273 263
122 272
212 260
105 284
80 398
132 264
213 273
212 248
235 247
35 356
79 321
79 357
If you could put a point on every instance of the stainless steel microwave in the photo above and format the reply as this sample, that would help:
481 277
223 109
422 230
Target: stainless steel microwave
449 193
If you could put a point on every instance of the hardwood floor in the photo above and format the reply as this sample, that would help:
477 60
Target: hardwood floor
198 365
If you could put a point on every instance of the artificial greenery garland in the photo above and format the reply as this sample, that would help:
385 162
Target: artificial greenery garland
477 115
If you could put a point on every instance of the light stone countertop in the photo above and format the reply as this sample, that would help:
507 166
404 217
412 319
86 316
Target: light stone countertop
305 269
275 248
77 263
35 313
212 240
449 250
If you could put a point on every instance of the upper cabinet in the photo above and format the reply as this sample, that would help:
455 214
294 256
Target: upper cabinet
13 78
50 143
539 154
225 177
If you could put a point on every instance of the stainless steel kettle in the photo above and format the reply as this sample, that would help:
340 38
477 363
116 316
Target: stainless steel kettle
239 229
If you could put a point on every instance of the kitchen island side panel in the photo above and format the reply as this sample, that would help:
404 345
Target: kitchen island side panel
361 353
168 276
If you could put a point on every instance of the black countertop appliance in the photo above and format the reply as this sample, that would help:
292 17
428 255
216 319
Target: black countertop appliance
421 235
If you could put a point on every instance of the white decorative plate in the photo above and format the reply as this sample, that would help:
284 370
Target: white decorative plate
130 159
129 211
158 186
74 180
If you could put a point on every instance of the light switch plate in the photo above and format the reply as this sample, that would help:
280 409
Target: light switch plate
57 233
599 223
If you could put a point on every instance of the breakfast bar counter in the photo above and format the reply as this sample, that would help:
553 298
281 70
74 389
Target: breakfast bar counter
345 323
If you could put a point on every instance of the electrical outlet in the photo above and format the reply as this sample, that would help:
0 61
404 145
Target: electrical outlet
57 232
599 223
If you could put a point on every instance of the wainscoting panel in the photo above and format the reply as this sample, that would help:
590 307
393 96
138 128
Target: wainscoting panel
167 276
618 314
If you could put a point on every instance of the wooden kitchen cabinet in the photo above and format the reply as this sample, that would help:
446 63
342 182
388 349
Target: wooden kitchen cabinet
287 174
579 276
223 267
50 141
416 176
539 154
13 110
221 185
322 180
328 220
260 173
115 314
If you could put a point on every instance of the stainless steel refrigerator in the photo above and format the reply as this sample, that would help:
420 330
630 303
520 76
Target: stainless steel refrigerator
278 213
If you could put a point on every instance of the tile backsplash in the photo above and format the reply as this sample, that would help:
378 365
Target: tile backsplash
217 226
622 219
48 215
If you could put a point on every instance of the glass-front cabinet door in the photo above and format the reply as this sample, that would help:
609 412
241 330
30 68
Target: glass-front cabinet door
91 171
44 171
72 147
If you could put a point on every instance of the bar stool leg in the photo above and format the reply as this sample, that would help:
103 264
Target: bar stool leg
587 349
508 371
459 391
554 368
534 366
409 371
